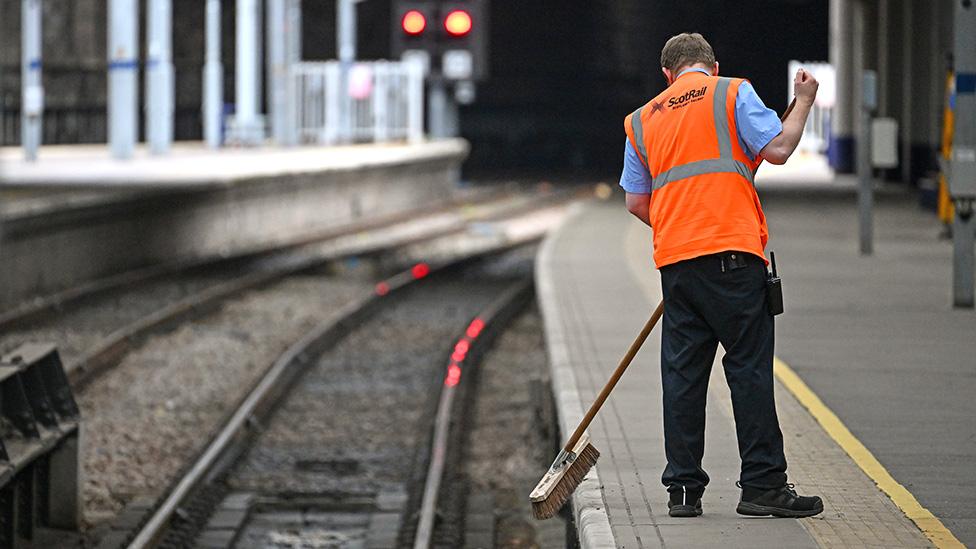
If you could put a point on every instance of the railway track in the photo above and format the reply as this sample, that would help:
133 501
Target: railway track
340 426
95 325
153 394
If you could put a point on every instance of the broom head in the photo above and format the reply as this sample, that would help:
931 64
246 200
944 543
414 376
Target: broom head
559 483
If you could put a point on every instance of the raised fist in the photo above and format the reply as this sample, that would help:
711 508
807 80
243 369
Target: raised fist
805 86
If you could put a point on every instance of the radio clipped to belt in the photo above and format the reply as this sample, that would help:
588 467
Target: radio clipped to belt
774 289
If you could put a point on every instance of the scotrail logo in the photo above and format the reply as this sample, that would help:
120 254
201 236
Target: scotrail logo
689 97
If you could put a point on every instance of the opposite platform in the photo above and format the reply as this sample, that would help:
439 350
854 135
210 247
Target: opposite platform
596 287
192 165
76 215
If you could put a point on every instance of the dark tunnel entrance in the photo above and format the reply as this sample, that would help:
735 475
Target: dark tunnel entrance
564 74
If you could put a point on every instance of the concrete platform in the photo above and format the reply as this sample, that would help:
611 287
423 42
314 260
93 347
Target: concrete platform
192 165
597 286
75 214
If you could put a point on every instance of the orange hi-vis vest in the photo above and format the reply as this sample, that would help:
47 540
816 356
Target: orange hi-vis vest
703 199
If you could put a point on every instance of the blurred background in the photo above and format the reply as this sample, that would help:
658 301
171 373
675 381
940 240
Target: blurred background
563 74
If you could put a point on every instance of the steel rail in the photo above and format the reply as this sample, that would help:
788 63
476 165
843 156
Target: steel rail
478 338
269 390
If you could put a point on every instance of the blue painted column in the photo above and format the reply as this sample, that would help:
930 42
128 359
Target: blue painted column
123 77
213 79
159 76
32 90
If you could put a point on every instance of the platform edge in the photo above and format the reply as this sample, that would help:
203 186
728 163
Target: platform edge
589 509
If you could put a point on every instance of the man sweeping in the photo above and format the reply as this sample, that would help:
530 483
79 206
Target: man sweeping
689 161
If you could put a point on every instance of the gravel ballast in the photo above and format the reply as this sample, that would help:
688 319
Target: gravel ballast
147 417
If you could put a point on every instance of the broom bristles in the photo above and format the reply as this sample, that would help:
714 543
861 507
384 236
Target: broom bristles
567 484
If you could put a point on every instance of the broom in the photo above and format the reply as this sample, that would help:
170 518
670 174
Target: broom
578 456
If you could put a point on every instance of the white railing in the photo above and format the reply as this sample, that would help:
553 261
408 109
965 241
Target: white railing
816 133
384 99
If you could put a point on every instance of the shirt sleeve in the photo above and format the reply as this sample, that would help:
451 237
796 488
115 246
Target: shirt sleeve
635 177
757 124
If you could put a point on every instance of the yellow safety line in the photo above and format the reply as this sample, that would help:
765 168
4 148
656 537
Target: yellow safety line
931 526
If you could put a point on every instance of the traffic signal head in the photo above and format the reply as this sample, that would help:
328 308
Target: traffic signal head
463 41
454 34
414 26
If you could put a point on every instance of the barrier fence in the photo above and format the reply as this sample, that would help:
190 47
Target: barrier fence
384 99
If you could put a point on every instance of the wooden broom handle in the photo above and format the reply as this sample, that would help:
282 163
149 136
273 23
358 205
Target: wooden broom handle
788 110
624 362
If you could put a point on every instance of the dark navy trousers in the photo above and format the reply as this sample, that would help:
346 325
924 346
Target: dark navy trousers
707 302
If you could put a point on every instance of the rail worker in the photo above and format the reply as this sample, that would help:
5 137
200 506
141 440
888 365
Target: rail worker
689 161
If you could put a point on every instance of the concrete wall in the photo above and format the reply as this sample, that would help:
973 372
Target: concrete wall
46 251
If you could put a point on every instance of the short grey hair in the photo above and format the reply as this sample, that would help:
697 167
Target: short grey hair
686 49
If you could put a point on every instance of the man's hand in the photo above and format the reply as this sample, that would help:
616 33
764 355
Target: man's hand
805 87
779 149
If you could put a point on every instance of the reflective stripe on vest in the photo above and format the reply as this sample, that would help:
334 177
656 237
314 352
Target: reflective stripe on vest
638 126
725 163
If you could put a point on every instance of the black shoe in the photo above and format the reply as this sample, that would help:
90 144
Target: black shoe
685 503
778 502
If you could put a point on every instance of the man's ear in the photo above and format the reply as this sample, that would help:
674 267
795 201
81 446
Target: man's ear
715 69
667 75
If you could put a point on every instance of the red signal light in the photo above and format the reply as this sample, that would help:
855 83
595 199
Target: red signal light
460 350
475 328
453 375
458 23
420 270
413 23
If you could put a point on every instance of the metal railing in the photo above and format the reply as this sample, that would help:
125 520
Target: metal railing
816 134
384 102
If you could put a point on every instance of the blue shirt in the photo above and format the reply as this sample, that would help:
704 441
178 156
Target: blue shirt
756 125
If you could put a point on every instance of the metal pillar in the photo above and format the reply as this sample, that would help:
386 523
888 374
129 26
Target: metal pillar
294 16
277 68
865 187
32 90
962 176
858 64
213 79
248 127
841 52
962 254
346 46
293 54
906 92
123 77
284 47
159 76
882 31
442 113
